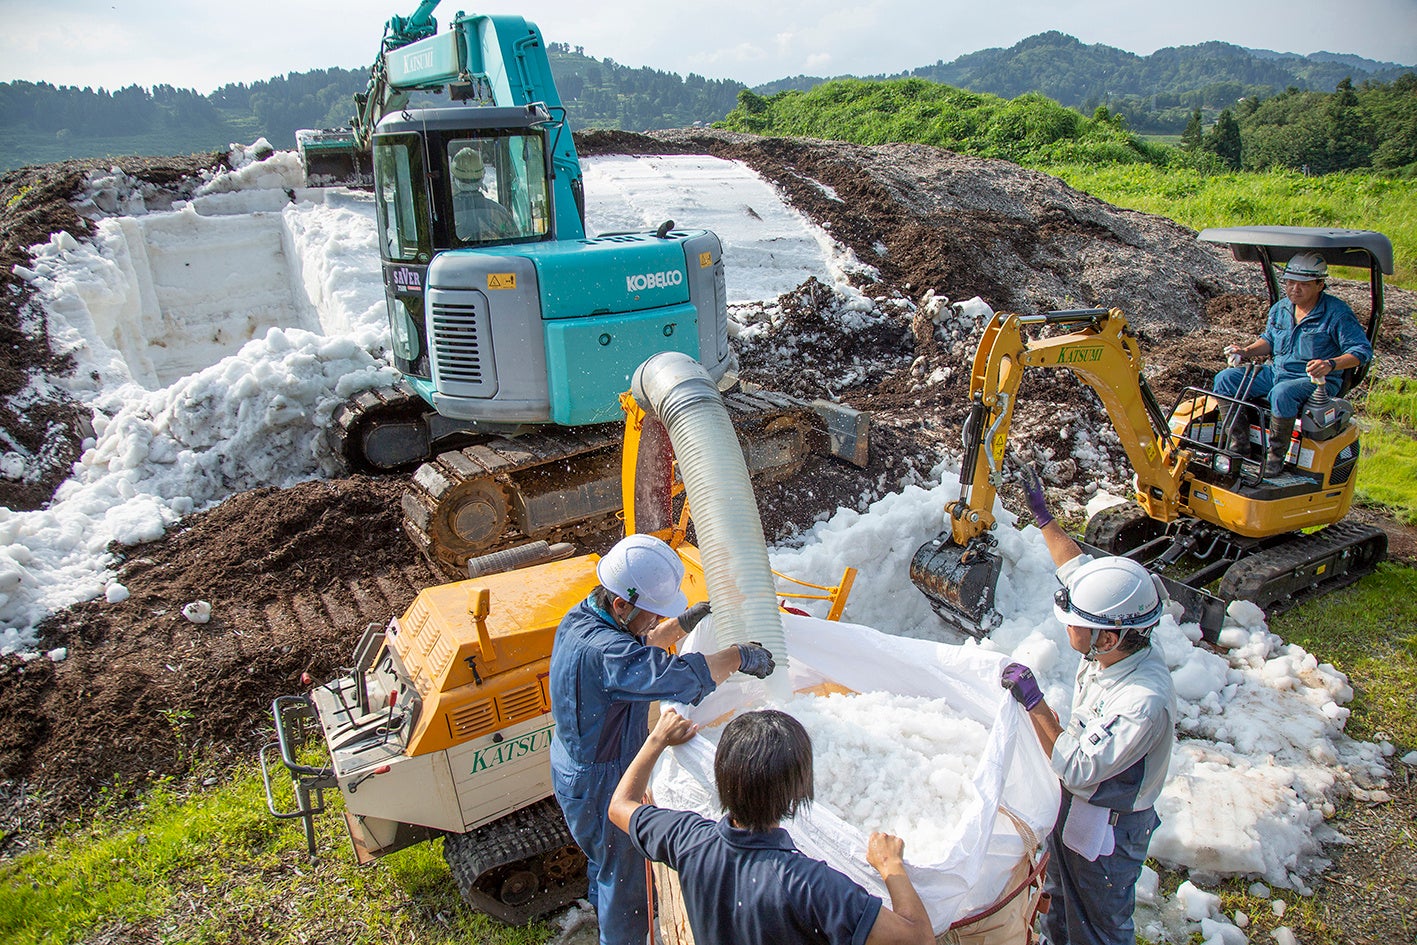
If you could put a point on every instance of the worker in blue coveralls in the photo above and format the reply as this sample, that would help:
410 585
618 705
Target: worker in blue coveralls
1113 756
1312 336
742 878
609 661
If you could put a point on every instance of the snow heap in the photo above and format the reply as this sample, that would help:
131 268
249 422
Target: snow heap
865 747
216 329
1261 756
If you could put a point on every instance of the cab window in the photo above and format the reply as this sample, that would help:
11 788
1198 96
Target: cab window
400 200
498 188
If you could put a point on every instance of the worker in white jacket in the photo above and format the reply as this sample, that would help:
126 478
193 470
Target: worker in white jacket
1113 756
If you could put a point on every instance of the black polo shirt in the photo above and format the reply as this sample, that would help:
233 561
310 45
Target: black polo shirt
743 887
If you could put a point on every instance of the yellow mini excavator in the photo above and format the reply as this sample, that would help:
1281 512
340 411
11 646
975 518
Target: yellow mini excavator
1205 517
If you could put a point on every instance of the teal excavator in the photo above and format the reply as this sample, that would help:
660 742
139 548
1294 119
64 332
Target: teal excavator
514 330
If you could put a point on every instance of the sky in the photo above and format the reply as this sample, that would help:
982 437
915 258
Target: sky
117 43
213 338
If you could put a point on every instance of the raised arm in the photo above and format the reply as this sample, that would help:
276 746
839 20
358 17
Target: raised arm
672 729
906 922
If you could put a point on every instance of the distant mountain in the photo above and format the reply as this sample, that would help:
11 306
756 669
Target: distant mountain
1154 93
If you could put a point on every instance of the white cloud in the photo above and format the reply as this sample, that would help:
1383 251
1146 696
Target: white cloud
146 42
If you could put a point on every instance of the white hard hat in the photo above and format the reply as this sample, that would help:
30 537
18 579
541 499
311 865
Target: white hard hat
1306 267
1111 594
646 572
467 165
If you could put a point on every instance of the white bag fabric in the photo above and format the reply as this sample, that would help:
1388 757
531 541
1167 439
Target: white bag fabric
1012 772
1088 830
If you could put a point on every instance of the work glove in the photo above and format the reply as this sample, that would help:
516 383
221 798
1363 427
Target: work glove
1018 680
690 618
755 660
1037 498
1234 355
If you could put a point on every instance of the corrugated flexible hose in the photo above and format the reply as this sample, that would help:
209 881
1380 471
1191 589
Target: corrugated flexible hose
677 390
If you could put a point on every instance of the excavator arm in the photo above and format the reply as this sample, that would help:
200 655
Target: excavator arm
490 60
958 569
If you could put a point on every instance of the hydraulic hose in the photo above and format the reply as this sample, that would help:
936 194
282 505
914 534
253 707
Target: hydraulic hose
681 394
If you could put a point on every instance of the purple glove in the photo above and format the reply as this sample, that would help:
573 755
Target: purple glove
1018 680
690 618
1037 498
754 660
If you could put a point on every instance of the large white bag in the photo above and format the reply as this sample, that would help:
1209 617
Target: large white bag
1013 771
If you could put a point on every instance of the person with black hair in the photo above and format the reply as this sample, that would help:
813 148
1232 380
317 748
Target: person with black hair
742 878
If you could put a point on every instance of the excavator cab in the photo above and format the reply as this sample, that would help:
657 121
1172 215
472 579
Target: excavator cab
449 179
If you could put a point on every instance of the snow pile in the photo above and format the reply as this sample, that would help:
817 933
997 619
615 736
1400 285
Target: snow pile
866 747
213 342
1261 755
769 247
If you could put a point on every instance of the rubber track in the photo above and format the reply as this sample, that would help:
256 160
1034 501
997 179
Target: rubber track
529 839
504 458
1106 528
1284 575
350 417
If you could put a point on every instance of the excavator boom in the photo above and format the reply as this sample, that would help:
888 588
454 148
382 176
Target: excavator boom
958 569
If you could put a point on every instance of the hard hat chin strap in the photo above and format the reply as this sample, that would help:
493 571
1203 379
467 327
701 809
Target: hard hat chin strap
629 618
1093 652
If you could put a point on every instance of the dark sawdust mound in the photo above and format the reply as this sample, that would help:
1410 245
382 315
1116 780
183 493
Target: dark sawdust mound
38 202
144 691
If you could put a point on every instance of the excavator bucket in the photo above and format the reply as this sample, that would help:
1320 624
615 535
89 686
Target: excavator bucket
959 581
332 158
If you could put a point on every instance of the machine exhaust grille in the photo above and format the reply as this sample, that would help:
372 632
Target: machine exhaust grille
1345 464
439 654
523 703
462 353
472 719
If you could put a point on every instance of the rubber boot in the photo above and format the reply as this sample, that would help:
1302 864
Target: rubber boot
1280 430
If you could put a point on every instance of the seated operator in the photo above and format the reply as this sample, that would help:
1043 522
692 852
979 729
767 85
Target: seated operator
478 218
1311 335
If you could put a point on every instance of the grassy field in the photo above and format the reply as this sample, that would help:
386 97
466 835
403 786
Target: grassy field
1286 198
1387 472
212 866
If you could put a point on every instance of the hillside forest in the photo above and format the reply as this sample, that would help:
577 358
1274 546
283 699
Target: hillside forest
1041 101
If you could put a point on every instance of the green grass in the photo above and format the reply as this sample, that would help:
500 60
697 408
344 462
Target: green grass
1387 470
1281 197
215 867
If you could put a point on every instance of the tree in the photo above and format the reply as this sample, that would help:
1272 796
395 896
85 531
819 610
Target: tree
1192 138
1223 140
1350 140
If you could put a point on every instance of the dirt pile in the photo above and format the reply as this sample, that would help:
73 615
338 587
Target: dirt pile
295 575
